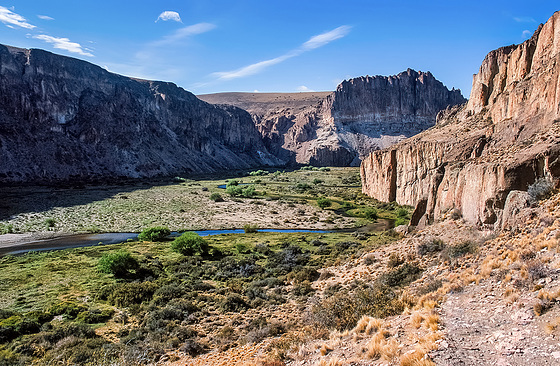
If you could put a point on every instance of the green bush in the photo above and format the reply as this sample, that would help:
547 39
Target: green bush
6 228
249 228
216 197
323 202
370 213
232 183
234 190
50 222
119 264
156 233
190 243
248 191
233 302
402 212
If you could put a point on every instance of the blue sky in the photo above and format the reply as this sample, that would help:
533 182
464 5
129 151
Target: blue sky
209 46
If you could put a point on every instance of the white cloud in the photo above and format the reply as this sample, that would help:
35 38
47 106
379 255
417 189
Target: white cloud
169 15
44 17
185 32
526 34
524 20
256 91
303 88
327 37
253 68
8 17
63 44
313 43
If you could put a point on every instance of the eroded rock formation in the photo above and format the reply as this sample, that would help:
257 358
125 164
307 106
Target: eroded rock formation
340 128
63 119
505 138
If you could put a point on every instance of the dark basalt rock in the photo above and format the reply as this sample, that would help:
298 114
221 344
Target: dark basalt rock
65 119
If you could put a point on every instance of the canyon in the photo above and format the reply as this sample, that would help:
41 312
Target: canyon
502 141
340 128
62 119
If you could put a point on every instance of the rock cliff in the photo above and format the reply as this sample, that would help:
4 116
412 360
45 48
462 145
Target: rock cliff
505 138
340 128
66 119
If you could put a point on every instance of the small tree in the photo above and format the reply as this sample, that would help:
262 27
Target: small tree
118 264
190 243
157 233
216 197
323 202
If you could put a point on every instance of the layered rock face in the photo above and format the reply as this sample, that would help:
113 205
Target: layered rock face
64 119
505 138
342 127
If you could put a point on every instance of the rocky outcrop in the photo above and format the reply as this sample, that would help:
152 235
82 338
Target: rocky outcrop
505 138
342 127
66 119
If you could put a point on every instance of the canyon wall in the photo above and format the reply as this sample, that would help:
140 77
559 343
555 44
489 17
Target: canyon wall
66 119
505 138
342 127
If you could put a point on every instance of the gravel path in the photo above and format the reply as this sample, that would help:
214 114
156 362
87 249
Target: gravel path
483 327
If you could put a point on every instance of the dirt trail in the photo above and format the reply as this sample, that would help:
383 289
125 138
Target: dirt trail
485 327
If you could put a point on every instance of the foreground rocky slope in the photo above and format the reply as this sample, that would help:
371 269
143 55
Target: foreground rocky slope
339 128
504 139
63 119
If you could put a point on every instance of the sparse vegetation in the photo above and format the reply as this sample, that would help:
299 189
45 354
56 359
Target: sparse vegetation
216 197
541 188
323 202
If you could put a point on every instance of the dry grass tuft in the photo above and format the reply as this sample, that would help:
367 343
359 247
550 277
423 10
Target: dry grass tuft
552 326
432 322
416 320
325 349
415 358
333 361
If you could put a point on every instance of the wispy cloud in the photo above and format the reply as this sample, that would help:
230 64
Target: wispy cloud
64 44
325 38
524 20
9 18
169 15
45 17
313 43
185 32
526 34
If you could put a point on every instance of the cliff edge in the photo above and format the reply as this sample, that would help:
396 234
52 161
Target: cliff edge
504 139
63 119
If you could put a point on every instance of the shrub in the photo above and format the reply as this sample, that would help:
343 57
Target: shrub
304 274
370 213
461 249
343 309
232 183
216 197
317 181
6 228
119 264
395 260
401 221
323 202
249 228
541 188
402 212
400 276
233 302
50 222
430 246
127 294
248 191
156 233
234 190
190 243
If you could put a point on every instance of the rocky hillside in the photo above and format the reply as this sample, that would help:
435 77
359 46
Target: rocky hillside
339 128
66 119
504 139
